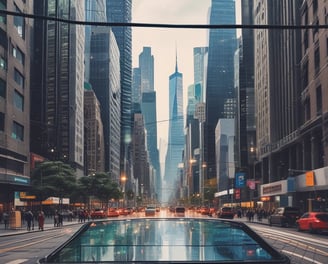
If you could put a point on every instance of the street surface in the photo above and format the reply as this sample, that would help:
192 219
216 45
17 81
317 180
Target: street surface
22 247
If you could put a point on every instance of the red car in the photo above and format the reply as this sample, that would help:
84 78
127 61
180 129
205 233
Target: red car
313 222
98 213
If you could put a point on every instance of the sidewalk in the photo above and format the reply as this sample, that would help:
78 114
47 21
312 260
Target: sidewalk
48 224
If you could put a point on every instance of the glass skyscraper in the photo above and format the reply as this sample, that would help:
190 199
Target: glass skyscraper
120 11
220 74
95 11
176 132
105 81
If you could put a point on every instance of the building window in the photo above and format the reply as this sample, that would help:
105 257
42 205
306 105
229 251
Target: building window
306 40
19 100
305 75
317 60
319 100
19 78
18 131
307 110
315 7
3 63
19 24
3 6
19 55
2 121
3 88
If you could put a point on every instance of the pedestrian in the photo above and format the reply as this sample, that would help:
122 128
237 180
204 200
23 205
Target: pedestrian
6 219
29 220
41 220
56 219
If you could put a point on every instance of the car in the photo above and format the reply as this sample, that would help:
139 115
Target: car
165 240
98 213
180 211
112 212
226 212
313 222
150 211
204 210
284 216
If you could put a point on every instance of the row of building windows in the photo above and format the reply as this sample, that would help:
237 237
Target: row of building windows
17 129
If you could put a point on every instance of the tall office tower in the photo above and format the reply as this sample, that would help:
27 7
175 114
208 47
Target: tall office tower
220 74
146 65
14 101
120 11
105 81
95 11
136 86
176 133
200 68
149 111
148 108
245 137
141 167
277 87
57 85
94 133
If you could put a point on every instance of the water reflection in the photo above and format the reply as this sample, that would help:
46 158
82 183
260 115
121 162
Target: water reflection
156 239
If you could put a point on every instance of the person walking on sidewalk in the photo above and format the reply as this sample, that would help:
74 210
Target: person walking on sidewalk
6 219
41 220
29 220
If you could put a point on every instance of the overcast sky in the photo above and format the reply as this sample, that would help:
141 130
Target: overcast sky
165 43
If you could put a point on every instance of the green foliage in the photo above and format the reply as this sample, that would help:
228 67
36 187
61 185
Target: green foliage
53 178
99 185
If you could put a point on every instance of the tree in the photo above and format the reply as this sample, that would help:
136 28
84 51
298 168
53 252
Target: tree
53 178
99 186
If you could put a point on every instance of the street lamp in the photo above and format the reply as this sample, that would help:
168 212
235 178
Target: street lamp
123 180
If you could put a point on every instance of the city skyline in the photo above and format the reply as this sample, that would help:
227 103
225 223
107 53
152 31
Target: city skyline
165 43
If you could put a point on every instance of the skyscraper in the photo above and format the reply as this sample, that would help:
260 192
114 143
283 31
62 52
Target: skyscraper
105 81
120 11
57 127
220 74
14 101
95 11
176 132
146 65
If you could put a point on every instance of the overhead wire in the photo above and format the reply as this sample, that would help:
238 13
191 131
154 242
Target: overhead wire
161 25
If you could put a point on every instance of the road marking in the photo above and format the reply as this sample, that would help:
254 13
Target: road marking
17 261
302 257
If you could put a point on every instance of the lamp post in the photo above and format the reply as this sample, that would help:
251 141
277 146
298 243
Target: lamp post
123 180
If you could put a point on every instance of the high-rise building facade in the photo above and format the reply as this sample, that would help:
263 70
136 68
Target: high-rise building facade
105 81
120 11
200 69
136 86
176 132
146 65
57 127
95 11
220 75
94 133
277 88
149 111
14 101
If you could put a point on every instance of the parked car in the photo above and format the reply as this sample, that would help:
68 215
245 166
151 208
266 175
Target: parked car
113 212
150 211
226 212
313 222
284 216
180 211
98 213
